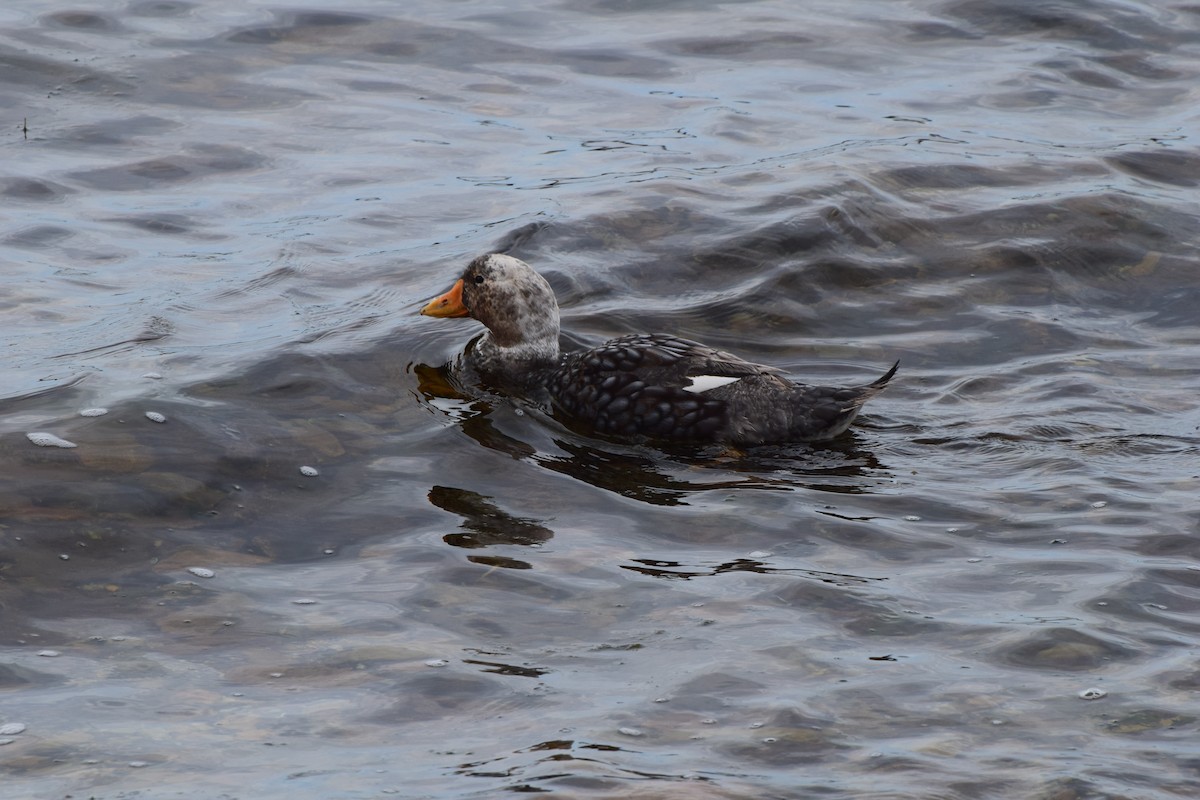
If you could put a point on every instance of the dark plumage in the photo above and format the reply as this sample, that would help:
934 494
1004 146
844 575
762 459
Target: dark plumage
654 386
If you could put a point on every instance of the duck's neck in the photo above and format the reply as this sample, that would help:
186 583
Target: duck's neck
520 364
521 355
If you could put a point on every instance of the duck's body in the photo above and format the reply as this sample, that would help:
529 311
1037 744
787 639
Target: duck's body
643 386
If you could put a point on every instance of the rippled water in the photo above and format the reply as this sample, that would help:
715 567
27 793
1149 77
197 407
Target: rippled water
228 214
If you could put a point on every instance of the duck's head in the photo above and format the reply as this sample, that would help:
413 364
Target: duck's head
515 303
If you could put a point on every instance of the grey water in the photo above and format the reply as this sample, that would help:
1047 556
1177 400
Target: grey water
227 214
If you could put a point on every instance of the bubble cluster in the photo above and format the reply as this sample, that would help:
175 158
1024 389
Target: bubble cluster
42 439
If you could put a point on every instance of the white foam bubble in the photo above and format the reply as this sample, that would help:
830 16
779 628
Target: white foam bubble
43 439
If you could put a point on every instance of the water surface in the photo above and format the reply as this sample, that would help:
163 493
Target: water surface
228 214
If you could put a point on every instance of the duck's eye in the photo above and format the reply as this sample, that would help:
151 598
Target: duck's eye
478 279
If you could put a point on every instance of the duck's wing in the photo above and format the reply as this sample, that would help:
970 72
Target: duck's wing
661 359
653 385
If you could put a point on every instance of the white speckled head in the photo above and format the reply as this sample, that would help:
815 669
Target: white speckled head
516 305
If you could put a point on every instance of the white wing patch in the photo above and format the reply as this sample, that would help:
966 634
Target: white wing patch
703 383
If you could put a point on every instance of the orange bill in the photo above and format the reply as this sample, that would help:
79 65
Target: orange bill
449 304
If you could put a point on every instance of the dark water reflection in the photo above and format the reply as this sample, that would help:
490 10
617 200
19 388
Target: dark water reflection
229 214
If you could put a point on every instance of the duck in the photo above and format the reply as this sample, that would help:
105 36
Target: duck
639 387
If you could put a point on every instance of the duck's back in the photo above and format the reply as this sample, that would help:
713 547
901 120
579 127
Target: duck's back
663 387
652 385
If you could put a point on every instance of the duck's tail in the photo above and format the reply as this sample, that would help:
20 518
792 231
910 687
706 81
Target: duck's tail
866 392
879 383
823 412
